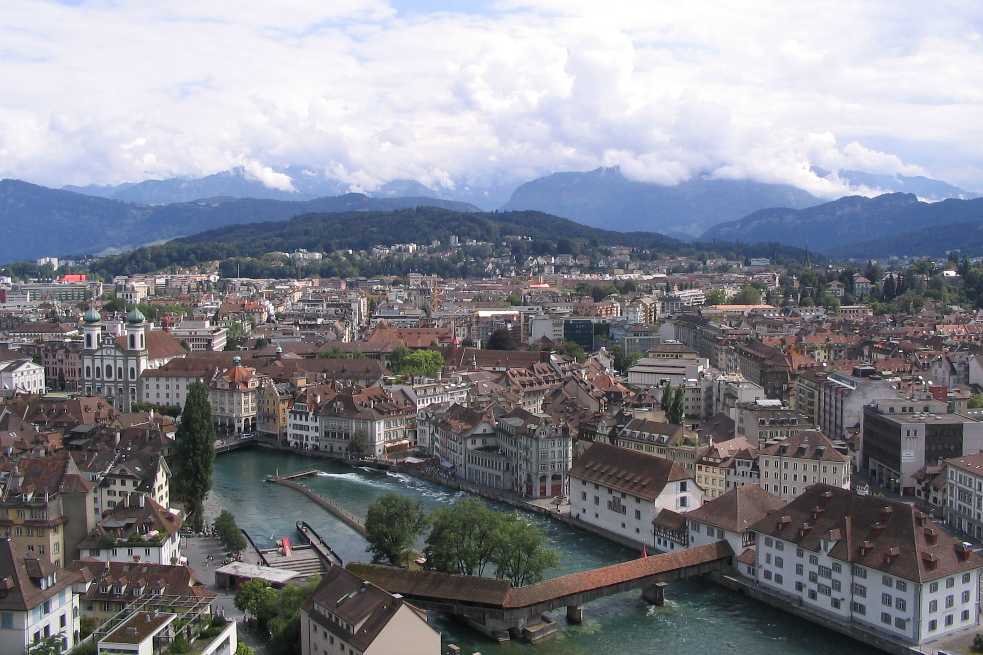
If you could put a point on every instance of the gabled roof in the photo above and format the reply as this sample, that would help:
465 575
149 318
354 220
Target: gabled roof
885 535
738 509
635 473
20 574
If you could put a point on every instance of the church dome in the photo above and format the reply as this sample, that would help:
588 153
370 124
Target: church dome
135 317
91 316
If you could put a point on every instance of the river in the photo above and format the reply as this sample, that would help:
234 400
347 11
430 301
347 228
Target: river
698 618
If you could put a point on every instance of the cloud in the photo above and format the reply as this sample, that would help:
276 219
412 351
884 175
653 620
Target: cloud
114 90
267 176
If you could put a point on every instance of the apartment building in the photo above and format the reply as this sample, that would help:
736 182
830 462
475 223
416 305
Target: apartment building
875 565
201 335
622 492
964 494
790 466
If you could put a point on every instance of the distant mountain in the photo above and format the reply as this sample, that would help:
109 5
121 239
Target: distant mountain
606 198
38 221
247 244
924 187
234 183
307 184
834 226
935 241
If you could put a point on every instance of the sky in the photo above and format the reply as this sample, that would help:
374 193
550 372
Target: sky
491 92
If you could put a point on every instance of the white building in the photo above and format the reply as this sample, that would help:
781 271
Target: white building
870 564
201 335
790 466
21 375
622 491
672 363
730 517
964 494
39 601
141 531
346 615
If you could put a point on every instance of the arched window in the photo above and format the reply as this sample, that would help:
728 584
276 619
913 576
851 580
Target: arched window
119 372
88 371
98 371
109 371
88 341
133 342
133 373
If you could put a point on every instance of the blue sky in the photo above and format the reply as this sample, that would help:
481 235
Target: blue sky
492 92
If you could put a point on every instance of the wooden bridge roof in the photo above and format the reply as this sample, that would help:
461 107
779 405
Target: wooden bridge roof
498 593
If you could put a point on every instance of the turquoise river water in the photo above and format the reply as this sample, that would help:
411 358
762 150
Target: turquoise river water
699 618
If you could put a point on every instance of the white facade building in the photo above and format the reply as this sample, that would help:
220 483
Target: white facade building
21 375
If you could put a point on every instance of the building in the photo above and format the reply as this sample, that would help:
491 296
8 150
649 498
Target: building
234 396
116 585
790 466
622 492
47 507
765 366
730 517
38 601
201 335
346 615
672 363
21 375
112 366
841 399
875 565
901 437
765 420
964 494
666 440
138 531
540 451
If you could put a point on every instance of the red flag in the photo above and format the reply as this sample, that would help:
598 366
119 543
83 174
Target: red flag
645 552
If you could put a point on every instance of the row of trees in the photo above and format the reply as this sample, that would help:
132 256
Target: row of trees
467 538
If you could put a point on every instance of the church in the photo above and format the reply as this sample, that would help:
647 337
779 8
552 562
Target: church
112 360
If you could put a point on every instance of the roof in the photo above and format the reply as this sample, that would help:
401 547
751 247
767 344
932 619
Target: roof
629 471
139 627
364 606
969 463
246 570
888 536
806 444
20 575
738 509
137 579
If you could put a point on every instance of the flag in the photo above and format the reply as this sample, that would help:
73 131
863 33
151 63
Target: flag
645 552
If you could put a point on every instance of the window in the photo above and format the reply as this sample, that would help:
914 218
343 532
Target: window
798 569
858 608
933 587
859 590
950 583
885 618
812 594
933 606
950 600
780 545
836 603
887 600
899 622
948 619
778 578
769 542
967 577
887 581
813 559
859 572
965 616
965 598
899 603
900 585
933 625
799 586
779 562
836 567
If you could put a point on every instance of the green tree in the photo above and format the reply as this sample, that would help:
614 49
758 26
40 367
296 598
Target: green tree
501 339
194 453
393 524
749 295
716 297
229 533
667 397
256 598
976 402
47 646
676 406
284 625
464 538
573 349
396 357
422 362
522 556
243 649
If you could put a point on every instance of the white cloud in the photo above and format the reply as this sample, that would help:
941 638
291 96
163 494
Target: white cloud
267 176
121 90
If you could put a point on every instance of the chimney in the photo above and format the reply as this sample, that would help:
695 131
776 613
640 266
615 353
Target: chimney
865 546
920 518
116 438
963 551
804 530
931 536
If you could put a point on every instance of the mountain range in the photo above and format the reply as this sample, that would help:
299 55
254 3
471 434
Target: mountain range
855 226
39 221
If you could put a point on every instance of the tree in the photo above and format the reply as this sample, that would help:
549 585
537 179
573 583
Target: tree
229 533
392 526
396 357
48 646
261 343
623 362
522 556
194 453
256 598
422 362
716 297
676 406
667 397
501 339
749 295
464 538
243 649
976 402
573 349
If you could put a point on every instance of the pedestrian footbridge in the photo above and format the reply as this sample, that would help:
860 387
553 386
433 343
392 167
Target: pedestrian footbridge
502 611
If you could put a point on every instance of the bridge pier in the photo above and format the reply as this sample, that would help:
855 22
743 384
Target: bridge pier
656 594
575 614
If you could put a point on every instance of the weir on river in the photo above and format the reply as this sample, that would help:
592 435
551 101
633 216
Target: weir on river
697 617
